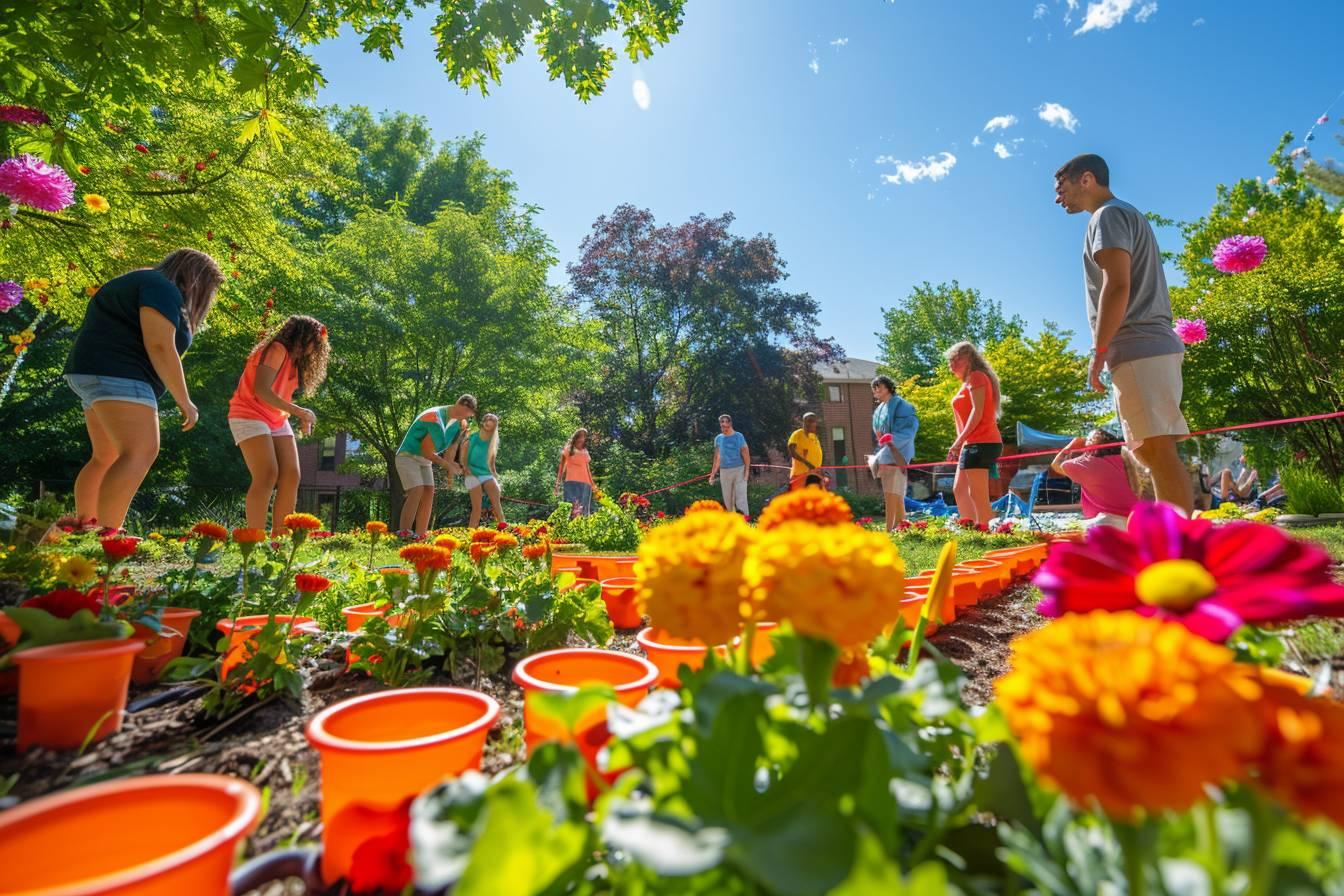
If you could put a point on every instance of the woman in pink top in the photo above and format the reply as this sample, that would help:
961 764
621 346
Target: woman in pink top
294 359
573 475
1107 496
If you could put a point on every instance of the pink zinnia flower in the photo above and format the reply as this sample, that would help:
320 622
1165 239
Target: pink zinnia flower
11 294
23 115
1211 579
1239 254
30 181
1191 331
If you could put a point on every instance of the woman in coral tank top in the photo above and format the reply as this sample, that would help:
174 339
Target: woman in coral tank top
978 443
573 475
293 360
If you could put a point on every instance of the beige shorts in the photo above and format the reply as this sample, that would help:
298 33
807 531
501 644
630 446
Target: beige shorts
244 428
1148 397
893 479
414 471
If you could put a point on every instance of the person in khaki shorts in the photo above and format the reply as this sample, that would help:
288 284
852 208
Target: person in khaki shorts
434 433
1129 309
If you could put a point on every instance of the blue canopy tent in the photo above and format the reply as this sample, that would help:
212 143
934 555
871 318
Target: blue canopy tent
1028 479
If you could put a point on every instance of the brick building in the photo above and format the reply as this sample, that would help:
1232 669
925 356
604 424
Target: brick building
320 482
845 406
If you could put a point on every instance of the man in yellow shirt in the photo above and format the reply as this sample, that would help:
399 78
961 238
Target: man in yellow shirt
805 450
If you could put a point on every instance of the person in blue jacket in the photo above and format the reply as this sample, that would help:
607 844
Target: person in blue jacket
894 428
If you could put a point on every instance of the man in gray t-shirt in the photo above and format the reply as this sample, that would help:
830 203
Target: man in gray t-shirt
1129 310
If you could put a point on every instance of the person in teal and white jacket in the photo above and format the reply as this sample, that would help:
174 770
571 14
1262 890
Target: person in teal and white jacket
894 426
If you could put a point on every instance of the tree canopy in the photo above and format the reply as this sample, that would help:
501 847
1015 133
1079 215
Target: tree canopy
917 331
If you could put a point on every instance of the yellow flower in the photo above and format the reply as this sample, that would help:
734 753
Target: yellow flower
37 284
689 575
156 536
811 504
77 571
841 583
447 541
700 506
1130 711
96 204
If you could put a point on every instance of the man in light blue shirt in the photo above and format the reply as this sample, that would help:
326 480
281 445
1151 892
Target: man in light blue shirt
732 463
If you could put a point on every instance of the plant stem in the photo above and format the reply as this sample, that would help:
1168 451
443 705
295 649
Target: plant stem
1132 848
1263 827
1206 828
744 657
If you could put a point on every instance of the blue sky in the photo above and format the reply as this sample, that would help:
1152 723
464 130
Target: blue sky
833 125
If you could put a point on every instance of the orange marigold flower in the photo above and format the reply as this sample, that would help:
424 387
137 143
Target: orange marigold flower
207 529
689 573
700 506
852 667
1130 711
480 550
375 527
523 532
447 542
311 583
504 540
841 583
249 536
302 521
534 551
810 504
484 536
1302 764
119 547
426 557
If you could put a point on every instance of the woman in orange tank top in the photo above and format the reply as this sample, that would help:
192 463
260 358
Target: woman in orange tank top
978 444
573 475
294 359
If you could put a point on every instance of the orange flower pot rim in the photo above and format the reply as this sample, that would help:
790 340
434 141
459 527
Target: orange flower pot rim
619 582
644 682
247 806
646 639
76 651
319 737
370 607
305 624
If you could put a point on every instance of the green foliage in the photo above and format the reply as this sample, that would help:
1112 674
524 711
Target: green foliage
917 331
39 628
1309 491
609 527
1275 344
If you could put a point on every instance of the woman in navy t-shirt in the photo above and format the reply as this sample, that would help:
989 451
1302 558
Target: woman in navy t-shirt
127 353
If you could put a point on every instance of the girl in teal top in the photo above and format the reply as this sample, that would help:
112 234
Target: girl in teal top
477 455
434 432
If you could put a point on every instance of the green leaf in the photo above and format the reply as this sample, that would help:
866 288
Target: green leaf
669 846
808 851
570 707
40 628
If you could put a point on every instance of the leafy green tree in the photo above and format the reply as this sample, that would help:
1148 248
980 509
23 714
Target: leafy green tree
1275 344
919 329
689 315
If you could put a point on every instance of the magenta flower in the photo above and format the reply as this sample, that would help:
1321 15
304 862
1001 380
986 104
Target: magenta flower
1211 579
11 294
30 181
1239 254
23 115
1191 331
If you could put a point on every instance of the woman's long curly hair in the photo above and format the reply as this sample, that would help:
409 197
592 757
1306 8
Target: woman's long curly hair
305 338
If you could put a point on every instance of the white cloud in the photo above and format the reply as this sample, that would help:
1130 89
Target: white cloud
929 168
815 64
1006 151
1068 15
839 42
1146 12
1057 116
1041 10
977 141
1197 22
641 93
1104 14
1000 122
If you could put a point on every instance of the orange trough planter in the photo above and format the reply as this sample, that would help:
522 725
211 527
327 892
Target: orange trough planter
163 646
669 654
380 750
156 835
69 693
245 629
595 566
619 596
998 575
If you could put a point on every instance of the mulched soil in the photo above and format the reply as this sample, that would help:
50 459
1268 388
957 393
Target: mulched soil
978 640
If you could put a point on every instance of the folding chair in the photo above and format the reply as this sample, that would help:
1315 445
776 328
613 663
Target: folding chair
1011 505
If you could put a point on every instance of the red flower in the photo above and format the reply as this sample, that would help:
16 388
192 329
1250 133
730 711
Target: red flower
213 531
378 863
200 166
84 169
982 527
140 147
119 547
311 583
921 524
661 515
1212 579
64 602
865 520
501 526
966 523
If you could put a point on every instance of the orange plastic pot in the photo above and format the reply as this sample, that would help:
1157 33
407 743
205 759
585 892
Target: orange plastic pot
565 670
581 565
581 583
669 654
9 630
380 750
762 647
619 596
245 629
358 615
70 693
155 835
1018 560
163 646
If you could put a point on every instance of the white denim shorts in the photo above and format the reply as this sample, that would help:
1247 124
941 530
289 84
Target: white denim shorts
244 428
476 481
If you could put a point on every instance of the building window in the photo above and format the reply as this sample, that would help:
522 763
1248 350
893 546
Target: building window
327 460
832 393
840 455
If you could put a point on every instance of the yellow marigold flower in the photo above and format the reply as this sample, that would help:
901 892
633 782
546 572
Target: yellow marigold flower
302 521
77 570
1302 764
841 583
483 536
704 505
1130 711
37 284
810 504
689 575
96 204
447 541
375 527
504 540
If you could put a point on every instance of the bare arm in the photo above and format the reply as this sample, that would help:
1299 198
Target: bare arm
428 453
560 473
746 461
160 337
264 387
793 452
714 467
1056 464
1111 307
